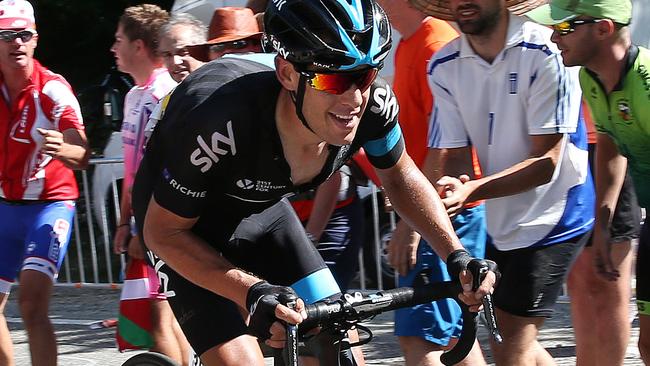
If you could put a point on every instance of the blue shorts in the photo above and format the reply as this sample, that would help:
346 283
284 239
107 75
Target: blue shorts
33 236
439 321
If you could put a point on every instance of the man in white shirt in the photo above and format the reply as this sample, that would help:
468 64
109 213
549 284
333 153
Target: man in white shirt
502 86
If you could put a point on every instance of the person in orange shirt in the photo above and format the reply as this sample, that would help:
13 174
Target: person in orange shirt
424 331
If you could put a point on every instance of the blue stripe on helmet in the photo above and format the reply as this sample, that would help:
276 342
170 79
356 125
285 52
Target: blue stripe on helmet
374 45
358 56
355 11
352 50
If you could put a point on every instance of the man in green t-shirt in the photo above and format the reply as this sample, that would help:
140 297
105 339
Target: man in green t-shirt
615 80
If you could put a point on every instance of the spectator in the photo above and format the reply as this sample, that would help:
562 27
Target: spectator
593 297
176 37
43 140
232 30
258 7
181 31
425 330
531 143
595 34
136 53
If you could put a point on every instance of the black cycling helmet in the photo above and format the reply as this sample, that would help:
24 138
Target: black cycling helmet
328 35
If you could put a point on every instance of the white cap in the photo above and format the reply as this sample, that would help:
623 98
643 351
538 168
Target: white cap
16 14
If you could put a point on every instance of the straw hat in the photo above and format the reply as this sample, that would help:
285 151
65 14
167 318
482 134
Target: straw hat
440 8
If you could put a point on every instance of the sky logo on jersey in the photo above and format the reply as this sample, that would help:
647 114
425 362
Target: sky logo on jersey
206 154
385 103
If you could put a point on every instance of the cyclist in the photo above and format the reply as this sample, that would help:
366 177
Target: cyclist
237 137
615 79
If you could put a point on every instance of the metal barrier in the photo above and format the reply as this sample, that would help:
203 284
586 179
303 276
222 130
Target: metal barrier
90 260
84 238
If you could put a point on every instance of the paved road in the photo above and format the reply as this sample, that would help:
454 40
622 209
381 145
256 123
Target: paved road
73 309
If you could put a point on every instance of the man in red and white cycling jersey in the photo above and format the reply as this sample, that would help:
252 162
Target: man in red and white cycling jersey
41 141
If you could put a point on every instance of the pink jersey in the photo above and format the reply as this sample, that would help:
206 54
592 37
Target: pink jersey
138 105
25 173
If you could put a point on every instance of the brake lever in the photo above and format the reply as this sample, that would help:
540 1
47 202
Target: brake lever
478 275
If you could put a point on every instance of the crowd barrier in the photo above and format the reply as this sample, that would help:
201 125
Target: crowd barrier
90 260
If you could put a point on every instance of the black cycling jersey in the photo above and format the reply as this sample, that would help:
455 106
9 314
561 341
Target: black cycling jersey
216 153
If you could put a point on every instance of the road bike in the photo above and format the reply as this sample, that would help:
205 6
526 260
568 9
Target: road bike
352 309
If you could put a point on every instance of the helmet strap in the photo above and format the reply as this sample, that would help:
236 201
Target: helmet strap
298 98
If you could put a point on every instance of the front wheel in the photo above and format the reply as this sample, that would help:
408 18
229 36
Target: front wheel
150 359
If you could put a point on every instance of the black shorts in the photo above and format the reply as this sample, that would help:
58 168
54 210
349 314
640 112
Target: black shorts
643 270
272 245
626 222
532 278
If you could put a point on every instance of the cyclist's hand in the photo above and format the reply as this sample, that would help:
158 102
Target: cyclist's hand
457 263
287 315
265 307
403 248
473 297
121 239
602 248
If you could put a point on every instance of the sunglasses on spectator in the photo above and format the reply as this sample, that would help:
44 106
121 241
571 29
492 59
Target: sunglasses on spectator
569 26
234 45
10 36
339 83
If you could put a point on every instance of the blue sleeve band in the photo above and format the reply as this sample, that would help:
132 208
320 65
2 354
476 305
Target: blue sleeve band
385 144
317 286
